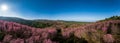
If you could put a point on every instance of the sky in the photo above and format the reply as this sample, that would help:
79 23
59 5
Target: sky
71 10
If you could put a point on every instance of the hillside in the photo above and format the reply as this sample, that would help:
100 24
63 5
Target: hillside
100 32
111 18
97 32
41 23
17 33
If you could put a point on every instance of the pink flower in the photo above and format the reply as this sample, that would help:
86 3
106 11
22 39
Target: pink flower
30 40
37 38
104 29
7 38
66 34
108 38
44 35
17 41
47 41
52 31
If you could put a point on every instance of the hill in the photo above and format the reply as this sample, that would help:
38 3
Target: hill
41 23
11 32
111 18
98 32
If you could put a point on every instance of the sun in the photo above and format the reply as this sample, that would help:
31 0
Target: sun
4 7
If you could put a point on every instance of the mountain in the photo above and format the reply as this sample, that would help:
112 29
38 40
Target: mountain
15 19
40 23
32 23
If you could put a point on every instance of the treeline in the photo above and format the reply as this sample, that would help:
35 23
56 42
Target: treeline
111 18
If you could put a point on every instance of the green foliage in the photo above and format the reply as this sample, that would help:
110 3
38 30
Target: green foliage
1 35
74 39
41 24
112 18
109 30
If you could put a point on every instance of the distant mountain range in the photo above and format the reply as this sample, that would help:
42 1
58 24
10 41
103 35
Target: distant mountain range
40 23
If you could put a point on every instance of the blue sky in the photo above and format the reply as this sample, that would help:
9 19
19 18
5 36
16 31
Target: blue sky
73 10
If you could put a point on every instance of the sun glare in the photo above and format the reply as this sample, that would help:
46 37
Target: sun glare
4 7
